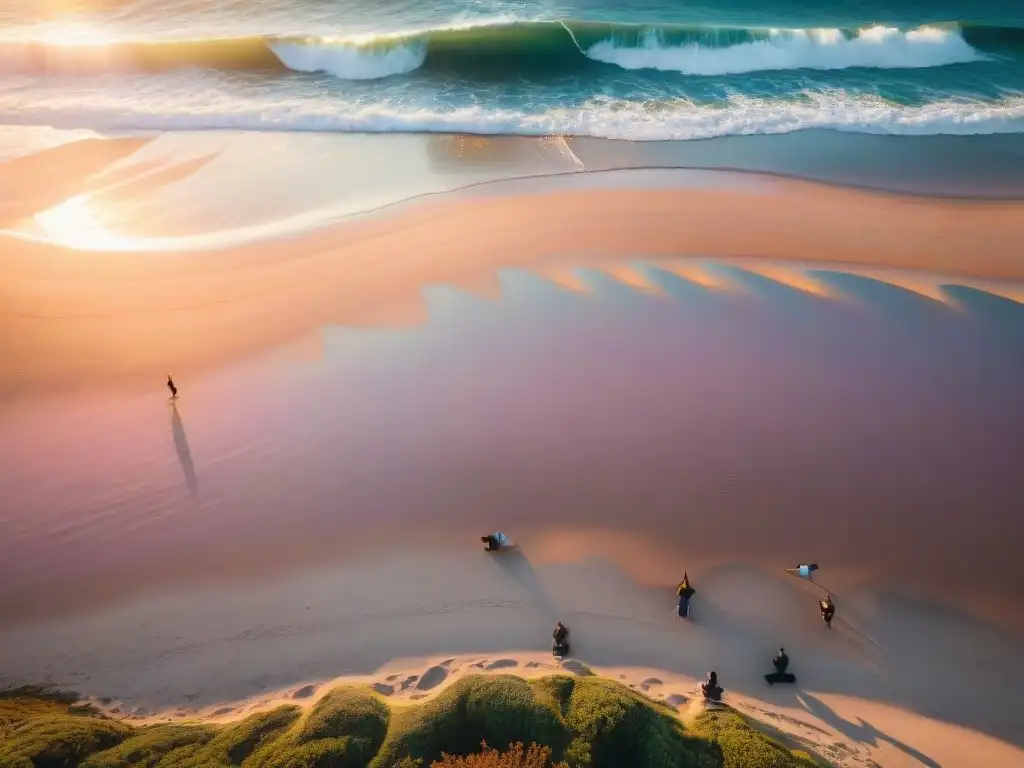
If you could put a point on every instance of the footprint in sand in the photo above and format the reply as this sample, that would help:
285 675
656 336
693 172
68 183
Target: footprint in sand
577 668
304 692
383 688
391 678
650 682
532 664
221 712
408 682
432 678
502 664
676 700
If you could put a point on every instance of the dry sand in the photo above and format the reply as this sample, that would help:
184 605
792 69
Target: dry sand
74 316
859 700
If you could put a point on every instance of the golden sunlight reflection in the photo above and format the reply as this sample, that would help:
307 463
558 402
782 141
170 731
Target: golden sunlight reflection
73 35
79 223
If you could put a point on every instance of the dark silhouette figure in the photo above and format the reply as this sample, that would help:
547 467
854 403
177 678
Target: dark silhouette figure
861 731
711 689
560 646
170 386
828 610
491 542
781 664
685 592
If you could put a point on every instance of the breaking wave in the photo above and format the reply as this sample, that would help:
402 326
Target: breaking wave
508 48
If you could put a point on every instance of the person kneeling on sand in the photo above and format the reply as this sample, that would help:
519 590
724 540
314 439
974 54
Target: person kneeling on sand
711 689
781 664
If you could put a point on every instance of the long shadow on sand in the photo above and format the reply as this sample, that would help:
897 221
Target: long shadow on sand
184 453
861 731
514 563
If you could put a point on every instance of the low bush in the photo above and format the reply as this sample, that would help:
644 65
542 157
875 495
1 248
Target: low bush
582 722
742 745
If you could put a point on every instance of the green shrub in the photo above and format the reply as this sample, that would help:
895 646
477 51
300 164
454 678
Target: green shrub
234 743
587 722
499 710
150 745
343 730
614 726
742 745
58 740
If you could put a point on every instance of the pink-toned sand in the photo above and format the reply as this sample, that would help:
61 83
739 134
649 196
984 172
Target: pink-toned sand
106 319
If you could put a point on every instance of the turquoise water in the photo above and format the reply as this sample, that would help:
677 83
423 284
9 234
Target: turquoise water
647 70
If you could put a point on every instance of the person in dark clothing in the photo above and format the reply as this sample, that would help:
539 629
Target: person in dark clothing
781 664
560 646
711 689
170 386
828 610
491 542
560 633
685 592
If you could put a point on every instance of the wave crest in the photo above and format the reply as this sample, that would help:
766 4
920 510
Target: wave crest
349 61
503 48
879 47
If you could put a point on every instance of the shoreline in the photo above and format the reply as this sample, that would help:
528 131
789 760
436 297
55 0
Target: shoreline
895 163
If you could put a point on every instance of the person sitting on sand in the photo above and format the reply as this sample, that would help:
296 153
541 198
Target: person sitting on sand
560 646
491 541
711 689
781 664
828 610
560 633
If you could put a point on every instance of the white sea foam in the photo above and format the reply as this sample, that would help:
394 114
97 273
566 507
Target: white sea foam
879 47
349 61
606 117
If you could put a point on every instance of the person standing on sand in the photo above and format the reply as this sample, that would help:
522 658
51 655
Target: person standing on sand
170 386
828 610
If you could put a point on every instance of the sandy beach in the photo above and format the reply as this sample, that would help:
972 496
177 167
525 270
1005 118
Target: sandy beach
634 372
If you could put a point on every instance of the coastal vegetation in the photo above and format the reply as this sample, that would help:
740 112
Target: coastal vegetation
478 722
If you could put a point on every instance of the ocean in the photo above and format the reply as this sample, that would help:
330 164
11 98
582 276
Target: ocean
650 70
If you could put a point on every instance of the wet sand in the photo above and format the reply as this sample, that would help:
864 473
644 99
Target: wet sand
65 313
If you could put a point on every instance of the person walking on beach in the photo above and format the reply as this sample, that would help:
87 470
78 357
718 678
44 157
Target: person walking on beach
170 386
